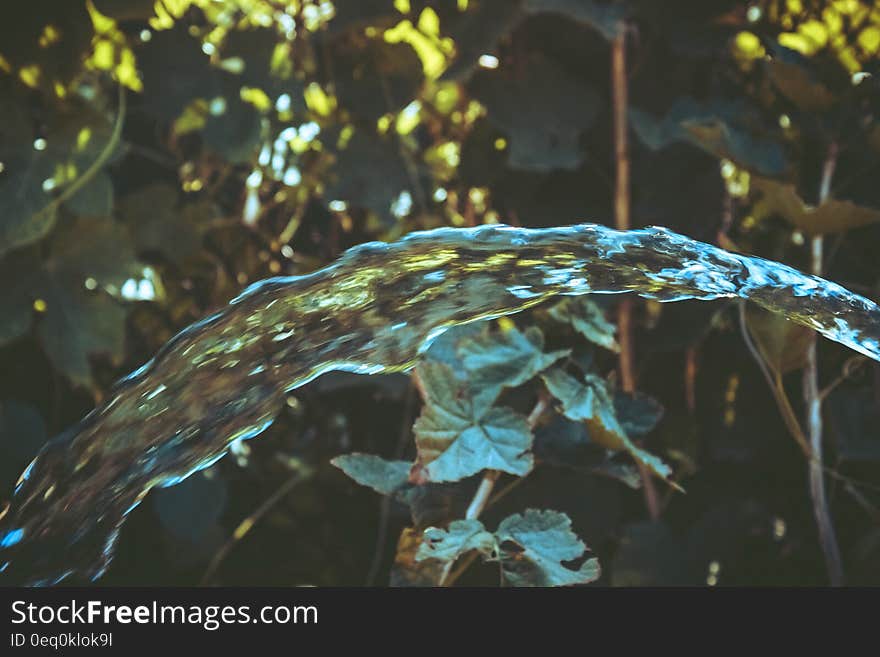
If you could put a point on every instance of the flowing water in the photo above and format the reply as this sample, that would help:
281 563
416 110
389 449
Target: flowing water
374 310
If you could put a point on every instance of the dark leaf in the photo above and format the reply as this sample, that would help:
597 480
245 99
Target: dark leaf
543 110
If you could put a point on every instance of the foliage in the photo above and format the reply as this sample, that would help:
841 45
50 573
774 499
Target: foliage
155 157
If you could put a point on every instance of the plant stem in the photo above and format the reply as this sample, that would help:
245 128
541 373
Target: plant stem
484 492
813 403
622 222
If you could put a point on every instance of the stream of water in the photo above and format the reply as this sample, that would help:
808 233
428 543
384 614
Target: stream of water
374 310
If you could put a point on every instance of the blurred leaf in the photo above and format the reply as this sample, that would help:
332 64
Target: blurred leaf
39 165
477 31
159 226
234 133
73 322
794 77
543 110
832 216
542 542
588 319
94 199
458 436
592 402
460 537
361 14
719 128
782 344
384 477
369 173
58 60
375 78
603 16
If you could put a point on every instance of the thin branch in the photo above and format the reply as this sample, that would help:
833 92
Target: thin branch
813 403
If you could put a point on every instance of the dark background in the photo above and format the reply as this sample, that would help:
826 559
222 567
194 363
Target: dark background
733 107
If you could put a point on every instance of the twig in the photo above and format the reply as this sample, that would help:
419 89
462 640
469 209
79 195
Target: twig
245 526
622 222
813 403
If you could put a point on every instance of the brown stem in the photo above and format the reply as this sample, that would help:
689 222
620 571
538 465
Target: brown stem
622 222
813 403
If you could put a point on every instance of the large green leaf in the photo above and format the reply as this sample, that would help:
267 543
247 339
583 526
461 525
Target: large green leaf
542 542
592 402
542 108
40 163
458 435
73 322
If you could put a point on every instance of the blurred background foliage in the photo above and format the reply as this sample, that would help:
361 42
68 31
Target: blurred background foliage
156 157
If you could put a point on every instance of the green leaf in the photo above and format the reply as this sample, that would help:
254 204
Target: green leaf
720 128
542 108
37 166
542 542
458 435
592 402
505 359
175 71
370 173
74 322
587 318
384 477
461 537
832 216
